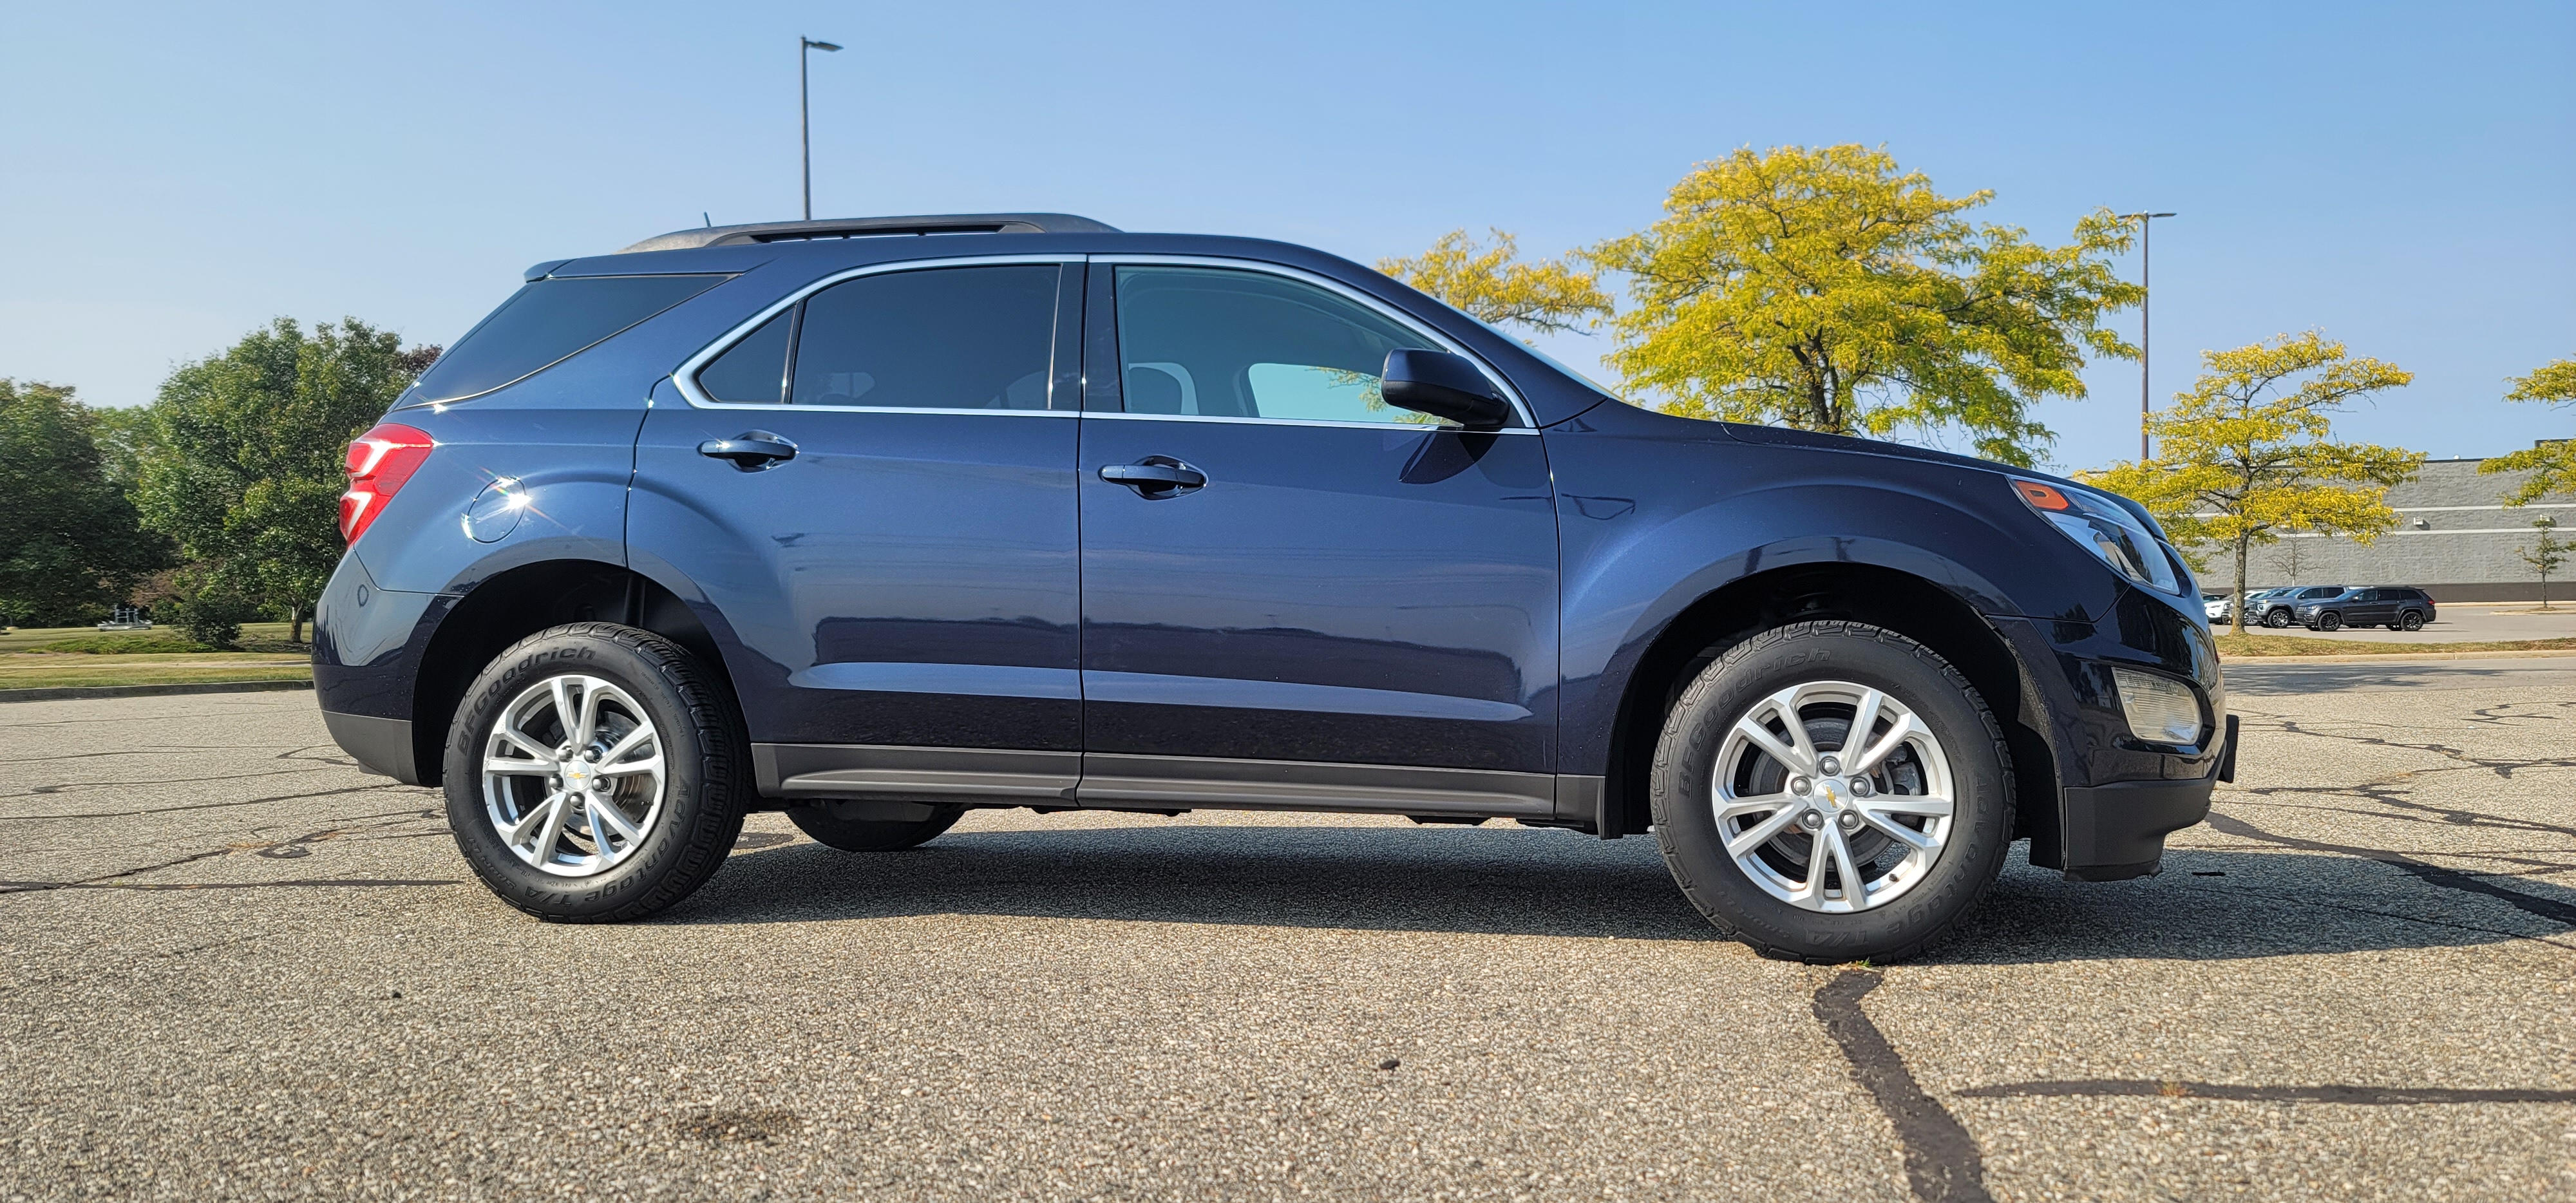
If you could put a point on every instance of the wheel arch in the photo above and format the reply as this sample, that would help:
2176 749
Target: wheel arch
1879 596
512 605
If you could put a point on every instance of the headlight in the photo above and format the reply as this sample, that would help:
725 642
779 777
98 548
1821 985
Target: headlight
2159 709
2102 527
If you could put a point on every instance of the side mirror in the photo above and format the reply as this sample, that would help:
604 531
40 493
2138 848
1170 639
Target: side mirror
1444 386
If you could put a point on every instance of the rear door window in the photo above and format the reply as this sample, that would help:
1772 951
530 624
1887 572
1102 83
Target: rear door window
547 322
944 338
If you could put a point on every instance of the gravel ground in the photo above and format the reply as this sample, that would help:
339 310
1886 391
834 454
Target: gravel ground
237 968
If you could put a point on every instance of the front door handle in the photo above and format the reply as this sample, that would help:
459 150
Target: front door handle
1156 477
750 451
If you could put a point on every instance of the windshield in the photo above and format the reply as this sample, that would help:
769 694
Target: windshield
1543 357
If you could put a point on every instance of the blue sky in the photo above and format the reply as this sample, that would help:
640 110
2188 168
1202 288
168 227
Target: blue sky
2396 175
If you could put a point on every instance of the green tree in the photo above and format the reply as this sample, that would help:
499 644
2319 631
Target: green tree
2249 452
2552 465
2545 556
70 546
242 465
1825 289
1493 285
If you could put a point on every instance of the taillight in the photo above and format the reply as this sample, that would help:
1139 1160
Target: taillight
379 462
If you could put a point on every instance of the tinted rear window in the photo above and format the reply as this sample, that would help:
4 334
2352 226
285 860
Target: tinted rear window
547 322
953 338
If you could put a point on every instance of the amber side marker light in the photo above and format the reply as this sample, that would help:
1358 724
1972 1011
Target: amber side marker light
2043 497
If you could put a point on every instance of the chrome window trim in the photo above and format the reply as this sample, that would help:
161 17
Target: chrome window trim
1520 408
685 377
1396 426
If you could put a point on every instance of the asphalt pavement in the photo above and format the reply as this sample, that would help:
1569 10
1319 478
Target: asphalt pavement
238 968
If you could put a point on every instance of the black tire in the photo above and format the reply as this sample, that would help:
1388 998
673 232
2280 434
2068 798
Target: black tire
2277 619
833 827
706 773
1687 827
2413 621
2329 621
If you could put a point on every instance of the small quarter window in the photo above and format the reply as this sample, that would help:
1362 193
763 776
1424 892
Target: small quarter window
547 322
753 371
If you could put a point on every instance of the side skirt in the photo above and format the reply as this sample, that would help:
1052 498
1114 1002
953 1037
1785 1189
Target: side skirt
793 773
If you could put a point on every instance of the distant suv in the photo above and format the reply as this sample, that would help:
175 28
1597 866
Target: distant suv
877 521
2398 609
2278 608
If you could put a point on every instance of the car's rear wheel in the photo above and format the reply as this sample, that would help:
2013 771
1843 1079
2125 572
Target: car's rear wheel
2414 621
595 773
873 826
1830 791
2277 619
2329 621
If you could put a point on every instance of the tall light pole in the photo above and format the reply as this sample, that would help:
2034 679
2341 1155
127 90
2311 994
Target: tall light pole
2146 264
805 47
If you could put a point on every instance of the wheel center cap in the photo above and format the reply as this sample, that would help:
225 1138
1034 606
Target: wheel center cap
1833 792
577 774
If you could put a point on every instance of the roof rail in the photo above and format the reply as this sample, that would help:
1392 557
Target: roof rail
872 227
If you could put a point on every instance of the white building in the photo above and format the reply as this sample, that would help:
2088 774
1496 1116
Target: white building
2455 539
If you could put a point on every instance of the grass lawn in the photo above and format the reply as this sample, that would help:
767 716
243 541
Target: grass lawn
2297 645
49 658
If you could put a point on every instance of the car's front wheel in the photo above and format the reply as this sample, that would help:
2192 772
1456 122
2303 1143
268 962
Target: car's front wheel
2277 619
595 773
2329 621
1830 791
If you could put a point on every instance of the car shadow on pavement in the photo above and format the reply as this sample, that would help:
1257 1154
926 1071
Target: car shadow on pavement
2208 905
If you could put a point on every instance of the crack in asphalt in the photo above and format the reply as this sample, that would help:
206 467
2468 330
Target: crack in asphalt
2500 766
164 810
30 887
41 790
1942 1161
2430 874
2362 1096
2447 924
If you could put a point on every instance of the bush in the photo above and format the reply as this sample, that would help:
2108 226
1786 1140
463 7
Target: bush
212 619
136 644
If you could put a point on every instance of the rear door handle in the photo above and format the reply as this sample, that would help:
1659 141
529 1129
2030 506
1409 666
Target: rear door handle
750 451
1155 476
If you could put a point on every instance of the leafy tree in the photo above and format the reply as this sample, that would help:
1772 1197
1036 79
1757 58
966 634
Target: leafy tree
70 545
2552 465
1826 290
2545 556
1494 286
242 465
2249 451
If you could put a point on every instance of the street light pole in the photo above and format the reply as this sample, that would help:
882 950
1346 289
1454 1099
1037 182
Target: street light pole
2146 266
805 47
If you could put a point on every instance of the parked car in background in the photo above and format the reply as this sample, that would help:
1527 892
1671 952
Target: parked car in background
2396 607
826 518
2278 608
2216 606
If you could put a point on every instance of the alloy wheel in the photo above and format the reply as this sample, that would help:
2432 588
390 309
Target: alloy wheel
1833 796
573 775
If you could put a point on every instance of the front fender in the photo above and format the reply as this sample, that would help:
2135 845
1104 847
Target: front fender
1658 513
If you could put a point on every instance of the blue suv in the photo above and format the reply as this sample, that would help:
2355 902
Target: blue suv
878 521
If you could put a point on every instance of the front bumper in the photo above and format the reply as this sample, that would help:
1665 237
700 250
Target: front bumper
2117 796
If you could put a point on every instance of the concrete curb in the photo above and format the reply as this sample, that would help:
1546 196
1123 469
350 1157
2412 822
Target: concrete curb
68 693
2386 658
